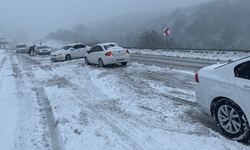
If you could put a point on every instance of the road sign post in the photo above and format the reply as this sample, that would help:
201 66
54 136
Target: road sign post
75 39
167 33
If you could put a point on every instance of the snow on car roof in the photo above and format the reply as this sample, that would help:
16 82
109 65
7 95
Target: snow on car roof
21 44
42 46
103 44
75 44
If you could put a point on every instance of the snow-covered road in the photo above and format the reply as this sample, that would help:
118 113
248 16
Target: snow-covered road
68 105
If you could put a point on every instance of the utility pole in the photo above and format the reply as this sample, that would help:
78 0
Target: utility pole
167 41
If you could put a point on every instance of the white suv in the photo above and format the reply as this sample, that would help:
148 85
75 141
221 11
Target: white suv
69 52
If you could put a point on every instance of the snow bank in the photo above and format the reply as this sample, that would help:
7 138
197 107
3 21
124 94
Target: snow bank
202 54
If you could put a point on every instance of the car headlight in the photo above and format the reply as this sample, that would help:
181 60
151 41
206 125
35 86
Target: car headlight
50 49
61 54
40 51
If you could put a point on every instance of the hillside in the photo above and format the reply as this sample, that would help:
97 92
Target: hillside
219 24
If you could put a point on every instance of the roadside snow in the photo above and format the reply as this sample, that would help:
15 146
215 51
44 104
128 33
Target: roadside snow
207 55
132 107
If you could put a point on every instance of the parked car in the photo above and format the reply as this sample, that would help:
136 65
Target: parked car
69 52
223 91
43 49
106 54
3 43
21 48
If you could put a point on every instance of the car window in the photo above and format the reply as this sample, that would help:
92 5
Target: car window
81 46
99 49
76 46
66 47
110 45
243 70
93 49
41 47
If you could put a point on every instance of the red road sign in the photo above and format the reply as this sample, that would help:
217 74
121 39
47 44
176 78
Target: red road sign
167 31
76 39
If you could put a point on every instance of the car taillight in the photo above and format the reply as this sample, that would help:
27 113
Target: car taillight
127 52
197 78
109 54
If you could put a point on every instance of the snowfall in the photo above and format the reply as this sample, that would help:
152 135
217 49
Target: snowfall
69 105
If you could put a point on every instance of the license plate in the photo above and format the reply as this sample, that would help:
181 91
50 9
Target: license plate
119 59
53 59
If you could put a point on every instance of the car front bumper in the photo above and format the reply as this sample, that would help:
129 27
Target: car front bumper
57 57
43 52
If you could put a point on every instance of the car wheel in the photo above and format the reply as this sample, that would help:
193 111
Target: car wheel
86 61
101 63
231 120
67 57
124 63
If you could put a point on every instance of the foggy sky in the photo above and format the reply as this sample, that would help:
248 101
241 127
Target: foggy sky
39 17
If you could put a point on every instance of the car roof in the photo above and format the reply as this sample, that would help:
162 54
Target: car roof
103 44
41 45
21 44
75 44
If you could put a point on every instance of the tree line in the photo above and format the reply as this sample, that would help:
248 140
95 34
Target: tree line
218 24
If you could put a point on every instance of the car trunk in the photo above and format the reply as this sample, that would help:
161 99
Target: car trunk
117 51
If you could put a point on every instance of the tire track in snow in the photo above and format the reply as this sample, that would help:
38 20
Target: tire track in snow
101 112
56 142
127 132
2 72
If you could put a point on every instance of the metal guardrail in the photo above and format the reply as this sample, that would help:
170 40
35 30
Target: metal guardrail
189 49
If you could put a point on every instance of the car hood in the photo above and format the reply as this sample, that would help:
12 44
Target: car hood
43 49
60 51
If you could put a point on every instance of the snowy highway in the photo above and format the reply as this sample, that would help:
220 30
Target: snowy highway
69 105
172 62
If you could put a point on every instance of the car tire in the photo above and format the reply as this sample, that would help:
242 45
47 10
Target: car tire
124 63
231 120
67 57
101 63
86 61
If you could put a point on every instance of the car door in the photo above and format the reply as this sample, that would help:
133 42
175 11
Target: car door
90 54
75 51
82 50
242 82
97 53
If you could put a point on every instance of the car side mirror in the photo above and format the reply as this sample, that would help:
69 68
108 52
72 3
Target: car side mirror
72 49
88 52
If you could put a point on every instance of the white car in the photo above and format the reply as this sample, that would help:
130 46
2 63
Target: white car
21 48
223 91
106 54
43 49
69 52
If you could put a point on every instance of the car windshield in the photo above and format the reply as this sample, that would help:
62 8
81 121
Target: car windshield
20 46
110 45
41 47
66 47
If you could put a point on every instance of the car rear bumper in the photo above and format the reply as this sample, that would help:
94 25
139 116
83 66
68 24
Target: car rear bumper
203 100
116 59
